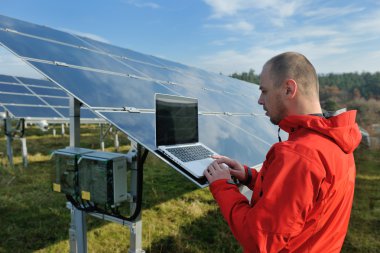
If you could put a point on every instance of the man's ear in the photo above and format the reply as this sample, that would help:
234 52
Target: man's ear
291 88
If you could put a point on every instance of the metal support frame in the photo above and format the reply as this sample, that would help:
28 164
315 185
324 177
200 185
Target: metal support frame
24 151
12 133
117 143
136 228
104 133
8 135
78 229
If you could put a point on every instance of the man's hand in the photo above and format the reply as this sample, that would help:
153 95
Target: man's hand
236 169
216 171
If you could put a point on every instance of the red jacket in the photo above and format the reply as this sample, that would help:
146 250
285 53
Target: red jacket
302 196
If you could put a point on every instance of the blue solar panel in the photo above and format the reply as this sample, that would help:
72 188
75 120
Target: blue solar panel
84 113
8 79
56 101
42 31
123 52
32 112
35 98
36 82
14 88
100 89
20 99
125 78
50 92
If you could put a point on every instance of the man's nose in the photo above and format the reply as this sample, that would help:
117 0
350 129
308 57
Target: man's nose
260 101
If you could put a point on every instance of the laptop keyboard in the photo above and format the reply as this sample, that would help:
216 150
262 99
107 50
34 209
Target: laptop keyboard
190 153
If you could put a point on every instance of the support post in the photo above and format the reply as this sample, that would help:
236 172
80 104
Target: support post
136 227
10 150
78 230
101 137
24 151
136 236
9 137
63 129
117 144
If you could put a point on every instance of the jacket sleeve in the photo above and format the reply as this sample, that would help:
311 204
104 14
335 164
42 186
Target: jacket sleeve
252 181
287 193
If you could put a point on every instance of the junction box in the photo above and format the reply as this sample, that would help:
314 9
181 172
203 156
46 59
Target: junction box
99 177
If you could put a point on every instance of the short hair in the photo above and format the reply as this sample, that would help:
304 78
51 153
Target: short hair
292 65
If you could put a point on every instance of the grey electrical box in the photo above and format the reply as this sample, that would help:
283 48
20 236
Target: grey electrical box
65 170
102 178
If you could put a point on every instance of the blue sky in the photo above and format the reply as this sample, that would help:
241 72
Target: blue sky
224 36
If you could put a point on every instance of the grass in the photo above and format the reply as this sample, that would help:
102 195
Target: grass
177 216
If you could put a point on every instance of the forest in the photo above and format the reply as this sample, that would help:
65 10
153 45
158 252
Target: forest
358 91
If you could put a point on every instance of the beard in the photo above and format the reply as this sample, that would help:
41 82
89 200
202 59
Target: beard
279 114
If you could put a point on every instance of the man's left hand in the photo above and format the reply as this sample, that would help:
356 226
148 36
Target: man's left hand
216 171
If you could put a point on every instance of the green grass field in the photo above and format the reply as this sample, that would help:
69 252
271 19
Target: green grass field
177 216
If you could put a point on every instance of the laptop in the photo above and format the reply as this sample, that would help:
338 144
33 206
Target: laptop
177 135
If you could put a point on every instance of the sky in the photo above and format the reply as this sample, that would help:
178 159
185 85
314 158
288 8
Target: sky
223 36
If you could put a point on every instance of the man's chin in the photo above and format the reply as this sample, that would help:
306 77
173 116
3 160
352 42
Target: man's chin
274 121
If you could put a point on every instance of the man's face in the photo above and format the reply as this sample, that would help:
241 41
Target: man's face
271 97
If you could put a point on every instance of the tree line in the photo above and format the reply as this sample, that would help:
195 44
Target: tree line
359 91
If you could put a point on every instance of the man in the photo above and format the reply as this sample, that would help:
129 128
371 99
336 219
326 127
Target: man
302 196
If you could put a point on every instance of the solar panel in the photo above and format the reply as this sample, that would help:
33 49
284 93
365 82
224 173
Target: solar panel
119 84
36 98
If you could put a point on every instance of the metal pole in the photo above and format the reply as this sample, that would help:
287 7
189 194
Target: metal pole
117 141
101 137
136 236
10 150
63 129
8 134
24 152
136 228
54 131
77 231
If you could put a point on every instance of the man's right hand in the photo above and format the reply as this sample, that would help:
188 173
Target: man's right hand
236 169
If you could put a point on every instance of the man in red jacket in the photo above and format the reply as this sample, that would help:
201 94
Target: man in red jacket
302 196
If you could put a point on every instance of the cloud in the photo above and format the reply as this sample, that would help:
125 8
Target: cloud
239 26
322 13
336 37
142 4
368 23
223 42
230 61
222 8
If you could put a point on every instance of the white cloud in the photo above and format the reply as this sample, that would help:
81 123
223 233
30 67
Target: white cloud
336 37
224 41
142 4
239 26
230 61
326 12
369 23
221 8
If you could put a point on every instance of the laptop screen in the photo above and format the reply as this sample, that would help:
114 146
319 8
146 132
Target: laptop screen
176 120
